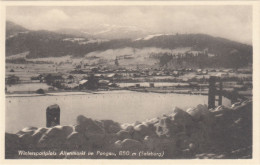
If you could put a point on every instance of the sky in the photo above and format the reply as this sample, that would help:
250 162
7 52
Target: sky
231 22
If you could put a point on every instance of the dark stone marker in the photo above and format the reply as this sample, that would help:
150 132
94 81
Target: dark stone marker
212 92
220 92
52 115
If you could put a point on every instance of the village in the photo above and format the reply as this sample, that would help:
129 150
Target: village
81 77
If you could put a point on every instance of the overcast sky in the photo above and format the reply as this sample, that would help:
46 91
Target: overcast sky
232 22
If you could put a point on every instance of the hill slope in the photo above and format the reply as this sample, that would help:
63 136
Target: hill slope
13 29
52 44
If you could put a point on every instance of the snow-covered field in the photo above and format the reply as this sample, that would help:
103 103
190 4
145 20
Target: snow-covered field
129 56
31 87
120 106
157 84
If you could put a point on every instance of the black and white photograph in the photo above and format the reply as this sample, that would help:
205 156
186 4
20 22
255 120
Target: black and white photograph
128 82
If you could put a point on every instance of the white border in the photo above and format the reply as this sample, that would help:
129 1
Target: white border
256 80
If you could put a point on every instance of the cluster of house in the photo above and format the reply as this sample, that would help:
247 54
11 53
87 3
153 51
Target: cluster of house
137 72
73 81
100 77
12 80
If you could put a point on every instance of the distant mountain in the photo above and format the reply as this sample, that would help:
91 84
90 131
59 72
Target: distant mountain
118 32
13 29
36 42
215 45
74 32
226 53
107 31
51 44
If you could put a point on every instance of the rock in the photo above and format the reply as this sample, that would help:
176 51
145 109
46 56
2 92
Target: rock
198 113
118 144
182 141
110 126
180 115
242 108
12 140
27 141
53 137
136 135
168 146
12 145
178 121
220 108
164 127
55 131
86 125
235 104
81 120
123 135
39 131
76 141
140 127
26 130
151 127
151 143
67 130
246 102
80 128
96 141
142 130
110 139
125 125
145 130
26 138
36 136
132 145
153 121
94 131
130 129
137 123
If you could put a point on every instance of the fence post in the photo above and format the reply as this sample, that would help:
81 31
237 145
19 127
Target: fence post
52 115
220 92
212 92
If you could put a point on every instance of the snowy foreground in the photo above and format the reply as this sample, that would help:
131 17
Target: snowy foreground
220 133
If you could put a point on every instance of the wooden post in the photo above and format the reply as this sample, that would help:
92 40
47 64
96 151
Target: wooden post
220 92
212 92
52 115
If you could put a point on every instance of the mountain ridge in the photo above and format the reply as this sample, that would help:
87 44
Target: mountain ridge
13 29
44 43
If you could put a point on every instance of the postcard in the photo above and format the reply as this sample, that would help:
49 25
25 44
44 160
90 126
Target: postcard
130 81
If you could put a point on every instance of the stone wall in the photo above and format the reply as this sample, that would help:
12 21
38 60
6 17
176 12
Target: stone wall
223 132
